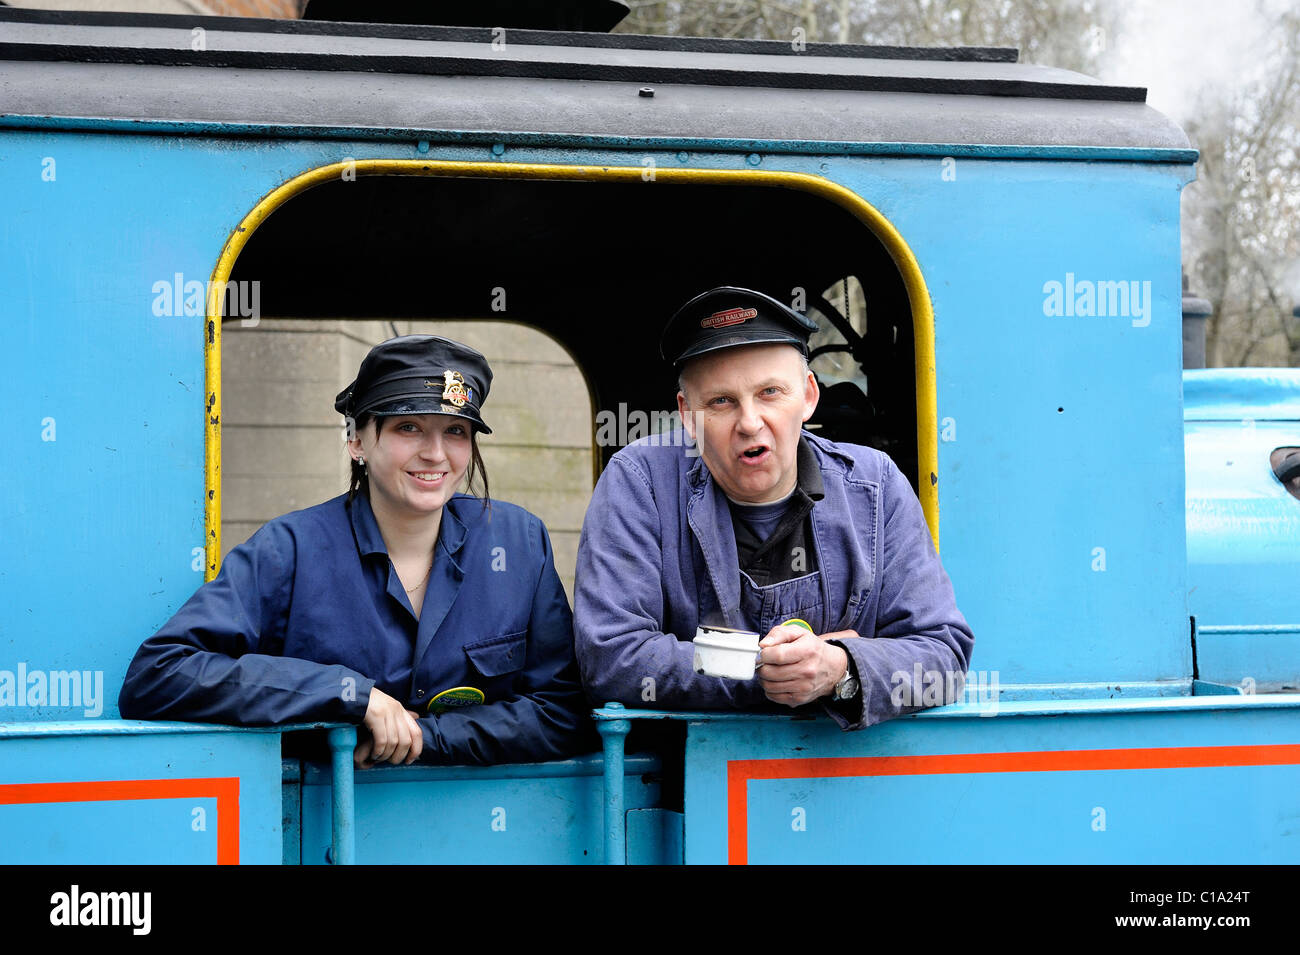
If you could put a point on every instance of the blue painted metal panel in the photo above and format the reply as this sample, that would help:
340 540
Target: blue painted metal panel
1241 394
291 811
529 813
907 791
654 837
109 832
1206 688
1060 512
101 794
1017 818
1243 528
1253 658
108 468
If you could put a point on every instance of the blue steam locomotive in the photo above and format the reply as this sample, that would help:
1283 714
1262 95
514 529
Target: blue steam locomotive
1014 233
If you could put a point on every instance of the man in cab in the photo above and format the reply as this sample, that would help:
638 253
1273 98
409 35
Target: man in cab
819 548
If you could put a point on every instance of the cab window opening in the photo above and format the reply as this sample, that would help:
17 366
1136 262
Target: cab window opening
433 252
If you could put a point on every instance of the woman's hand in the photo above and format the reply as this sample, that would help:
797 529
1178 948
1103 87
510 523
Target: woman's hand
395 735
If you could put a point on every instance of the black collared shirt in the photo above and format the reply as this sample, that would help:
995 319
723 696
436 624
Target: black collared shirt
787 552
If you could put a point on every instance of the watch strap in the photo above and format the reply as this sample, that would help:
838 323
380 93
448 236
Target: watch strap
848 686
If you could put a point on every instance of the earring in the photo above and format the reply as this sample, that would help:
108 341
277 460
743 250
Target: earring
361 461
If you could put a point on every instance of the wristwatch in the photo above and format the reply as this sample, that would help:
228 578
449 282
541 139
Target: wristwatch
847 687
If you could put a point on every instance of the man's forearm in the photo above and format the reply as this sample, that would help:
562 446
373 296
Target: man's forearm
887 670
657 670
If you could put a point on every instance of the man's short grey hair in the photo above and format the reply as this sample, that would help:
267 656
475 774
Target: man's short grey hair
681 377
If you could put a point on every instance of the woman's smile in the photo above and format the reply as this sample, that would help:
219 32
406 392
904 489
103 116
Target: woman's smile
428 478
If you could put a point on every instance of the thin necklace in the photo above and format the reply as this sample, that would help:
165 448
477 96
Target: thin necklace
411 590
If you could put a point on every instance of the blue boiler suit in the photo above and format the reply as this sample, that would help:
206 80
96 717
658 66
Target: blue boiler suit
308 614
658 557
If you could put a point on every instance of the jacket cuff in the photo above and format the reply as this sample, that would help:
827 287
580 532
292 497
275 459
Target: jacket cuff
354 696
850 714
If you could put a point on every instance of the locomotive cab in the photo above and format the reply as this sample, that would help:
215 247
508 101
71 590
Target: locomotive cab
992 248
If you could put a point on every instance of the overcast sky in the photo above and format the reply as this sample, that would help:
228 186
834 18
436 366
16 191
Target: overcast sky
1175 47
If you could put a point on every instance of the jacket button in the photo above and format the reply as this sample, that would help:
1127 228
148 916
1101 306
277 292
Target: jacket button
419 693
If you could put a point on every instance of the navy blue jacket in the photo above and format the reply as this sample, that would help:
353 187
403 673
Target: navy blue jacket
308 614
658 557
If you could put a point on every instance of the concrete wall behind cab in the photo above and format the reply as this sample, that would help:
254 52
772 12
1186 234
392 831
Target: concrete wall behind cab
282 442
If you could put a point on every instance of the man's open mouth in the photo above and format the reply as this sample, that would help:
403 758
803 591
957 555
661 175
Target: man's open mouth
755 452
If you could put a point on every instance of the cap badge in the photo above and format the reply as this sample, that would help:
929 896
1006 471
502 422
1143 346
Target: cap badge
454 389
730 316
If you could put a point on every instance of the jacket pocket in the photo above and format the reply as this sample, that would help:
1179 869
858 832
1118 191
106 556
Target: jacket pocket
498 656
853 611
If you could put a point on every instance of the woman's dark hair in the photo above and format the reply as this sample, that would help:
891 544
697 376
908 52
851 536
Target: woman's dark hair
477 471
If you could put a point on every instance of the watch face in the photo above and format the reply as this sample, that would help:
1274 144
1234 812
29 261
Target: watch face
848 687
